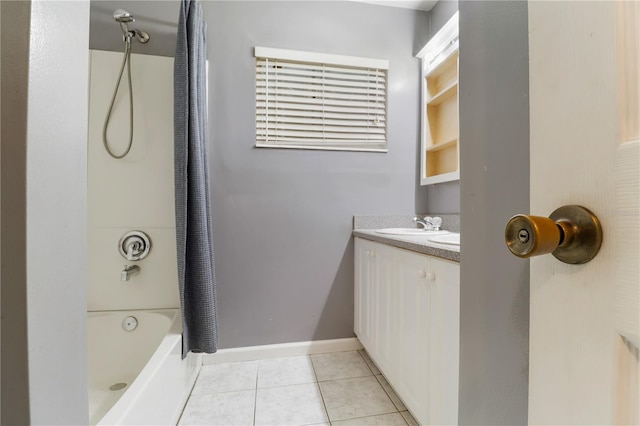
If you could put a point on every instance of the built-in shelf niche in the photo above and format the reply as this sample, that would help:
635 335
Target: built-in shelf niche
440 130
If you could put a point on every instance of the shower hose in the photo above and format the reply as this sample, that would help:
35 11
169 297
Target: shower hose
126 61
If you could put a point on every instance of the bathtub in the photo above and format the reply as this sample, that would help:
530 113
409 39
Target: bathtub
138 377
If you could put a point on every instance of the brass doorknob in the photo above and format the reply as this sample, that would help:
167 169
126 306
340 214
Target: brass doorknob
571 233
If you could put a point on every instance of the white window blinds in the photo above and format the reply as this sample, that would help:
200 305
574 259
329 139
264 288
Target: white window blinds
320 101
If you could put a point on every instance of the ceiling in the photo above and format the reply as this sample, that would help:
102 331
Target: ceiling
406 4
160 19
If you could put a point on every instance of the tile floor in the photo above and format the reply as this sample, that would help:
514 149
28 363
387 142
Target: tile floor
340 388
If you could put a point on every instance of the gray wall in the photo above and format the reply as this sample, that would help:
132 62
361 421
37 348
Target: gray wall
44 369
282 218
494 139
16 18
441 197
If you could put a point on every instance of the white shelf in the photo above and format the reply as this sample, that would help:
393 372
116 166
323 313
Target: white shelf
440 150
441 146
444 94
445 177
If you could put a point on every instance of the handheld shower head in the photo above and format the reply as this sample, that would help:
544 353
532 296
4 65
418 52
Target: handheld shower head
122 16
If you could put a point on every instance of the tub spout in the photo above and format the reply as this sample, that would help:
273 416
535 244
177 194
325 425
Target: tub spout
128 271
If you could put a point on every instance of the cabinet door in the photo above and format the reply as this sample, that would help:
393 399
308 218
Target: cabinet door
444 332
373 300
364 304
384 348
412 322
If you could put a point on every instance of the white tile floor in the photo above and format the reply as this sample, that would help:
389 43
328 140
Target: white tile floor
341 388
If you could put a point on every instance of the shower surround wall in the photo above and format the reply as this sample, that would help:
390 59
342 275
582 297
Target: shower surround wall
134 193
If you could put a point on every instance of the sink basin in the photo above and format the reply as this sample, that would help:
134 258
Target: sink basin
409 231
452 239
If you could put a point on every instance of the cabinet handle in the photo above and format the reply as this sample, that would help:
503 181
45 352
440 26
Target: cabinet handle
429 276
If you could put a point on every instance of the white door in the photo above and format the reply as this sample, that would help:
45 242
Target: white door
584 122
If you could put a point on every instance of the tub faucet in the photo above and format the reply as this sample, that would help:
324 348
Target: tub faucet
128 271
426 223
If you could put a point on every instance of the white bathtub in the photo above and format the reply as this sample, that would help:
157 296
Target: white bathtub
148 360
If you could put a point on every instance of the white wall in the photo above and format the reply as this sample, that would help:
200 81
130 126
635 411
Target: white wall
136 192
56 211
44 155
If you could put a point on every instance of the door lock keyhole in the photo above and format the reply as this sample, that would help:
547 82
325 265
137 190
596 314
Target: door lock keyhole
523 236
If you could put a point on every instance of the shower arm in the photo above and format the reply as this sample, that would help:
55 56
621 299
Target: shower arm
127 33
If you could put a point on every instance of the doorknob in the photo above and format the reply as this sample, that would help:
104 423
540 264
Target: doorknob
571 233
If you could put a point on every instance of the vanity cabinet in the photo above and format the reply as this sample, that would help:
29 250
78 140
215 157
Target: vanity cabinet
440 145
407 318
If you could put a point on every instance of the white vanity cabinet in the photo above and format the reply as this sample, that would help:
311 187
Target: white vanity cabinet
407 314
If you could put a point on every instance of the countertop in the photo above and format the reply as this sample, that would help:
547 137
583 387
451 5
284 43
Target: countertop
418 244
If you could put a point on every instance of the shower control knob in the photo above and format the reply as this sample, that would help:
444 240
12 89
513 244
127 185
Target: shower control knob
134 245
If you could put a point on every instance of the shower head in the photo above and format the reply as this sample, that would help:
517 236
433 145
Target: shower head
122 16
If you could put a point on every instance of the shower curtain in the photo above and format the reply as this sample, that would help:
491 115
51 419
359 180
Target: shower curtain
196 272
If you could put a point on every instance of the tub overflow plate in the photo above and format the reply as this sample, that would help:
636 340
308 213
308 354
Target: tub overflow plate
129 323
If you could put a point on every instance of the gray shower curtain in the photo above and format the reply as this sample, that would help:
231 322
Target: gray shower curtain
196 272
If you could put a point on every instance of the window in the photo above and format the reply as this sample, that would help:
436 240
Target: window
320 101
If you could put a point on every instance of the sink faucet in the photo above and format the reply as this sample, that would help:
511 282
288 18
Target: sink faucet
426 223
429 223
128 271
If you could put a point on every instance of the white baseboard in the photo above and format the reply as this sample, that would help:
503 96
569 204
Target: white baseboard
282 350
